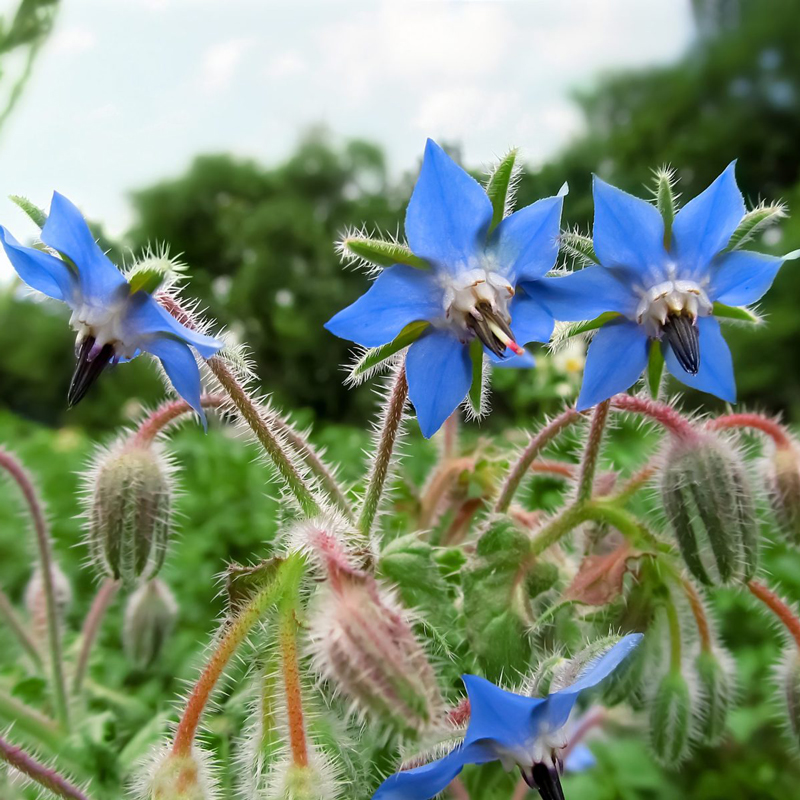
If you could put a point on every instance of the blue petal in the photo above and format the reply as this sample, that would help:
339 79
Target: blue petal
530 320
705 224
497 715
439 372
742 277
525 361
615 360
66 231
715 375
448 214
558 706
146 317
628 234
422 783
585 294
525 245
400 295
41 271
181 367
579 759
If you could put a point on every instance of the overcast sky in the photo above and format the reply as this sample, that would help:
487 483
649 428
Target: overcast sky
127 91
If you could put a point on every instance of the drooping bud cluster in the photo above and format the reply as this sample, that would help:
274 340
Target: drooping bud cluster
709 504
364 643
129 499
149 618
36 598
671 719
716 690
788 676
171 776
783 478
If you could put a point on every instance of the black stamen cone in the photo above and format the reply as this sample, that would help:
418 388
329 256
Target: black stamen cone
86 371
482 330
545 780
681 334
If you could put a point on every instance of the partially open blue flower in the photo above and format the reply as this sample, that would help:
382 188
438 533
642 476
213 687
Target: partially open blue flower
114 321
469 291
664 293
510 728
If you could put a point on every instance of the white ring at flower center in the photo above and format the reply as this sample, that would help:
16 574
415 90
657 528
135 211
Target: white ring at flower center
671 297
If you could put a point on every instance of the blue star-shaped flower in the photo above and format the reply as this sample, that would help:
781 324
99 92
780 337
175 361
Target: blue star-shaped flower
512 729
114 322
470 290
662 293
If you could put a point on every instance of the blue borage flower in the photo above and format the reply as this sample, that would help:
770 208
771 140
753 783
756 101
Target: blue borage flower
114 319
470 291
510 728
662 283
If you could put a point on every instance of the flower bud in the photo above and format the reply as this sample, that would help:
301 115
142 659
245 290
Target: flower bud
670 719
36 597
716 688
363 641
179 777
129 505
709 504
789 686
783 479
149 618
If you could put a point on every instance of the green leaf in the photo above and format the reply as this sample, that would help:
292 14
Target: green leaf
735 312
655 369
501 185
579 246
665 199
146 280
31 209
380 252
754 222
477 399
372 359
409 562
242 583
590 325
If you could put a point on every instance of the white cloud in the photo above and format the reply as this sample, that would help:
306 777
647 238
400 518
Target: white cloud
221 62
285 65
73 40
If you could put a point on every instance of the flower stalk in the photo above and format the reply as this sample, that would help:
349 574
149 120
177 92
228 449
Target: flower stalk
778 607
91 627
14 623
592 452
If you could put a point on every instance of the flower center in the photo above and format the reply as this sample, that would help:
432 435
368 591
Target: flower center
669 311
476 304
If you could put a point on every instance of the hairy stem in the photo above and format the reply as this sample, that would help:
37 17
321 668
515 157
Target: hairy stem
91 626
634 483
665 415
290 667
591 454
234 634
676 652
31 722
699 613
392 419
155 422
561 469
778 607
16 626
758 422
15 469
529 454
38 772
450 437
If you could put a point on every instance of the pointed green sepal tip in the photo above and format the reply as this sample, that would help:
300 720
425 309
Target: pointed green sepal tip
374 358
146 280
590 325
38 215
736 312
477 396
578 246
755 221
379 252
666 199
500 187
655 369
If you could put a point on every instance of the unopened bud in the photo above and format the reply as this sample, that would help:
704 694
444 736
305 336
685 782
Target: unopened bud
363 641
789 699
670 719
715 684
179 777
130 499
36 597
783 477
709 504
149 618
303 783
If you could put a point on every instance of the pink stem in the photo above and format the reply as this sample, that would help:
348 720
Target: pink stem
153 424
665 415
768 426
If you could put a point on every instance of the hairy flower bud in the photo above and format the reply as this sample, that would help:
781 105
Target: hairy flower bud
709 504
36 597
783 478
129 503
149 618
715 683
363 641
671 719
178 777
788 676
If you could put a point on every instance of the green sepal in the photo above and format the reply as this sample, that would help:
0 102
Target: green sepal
373 357
381 253
31 209
592 324
735 312
579 246
243 583
500 185
146 280
476 398
665 200
754 222
655 368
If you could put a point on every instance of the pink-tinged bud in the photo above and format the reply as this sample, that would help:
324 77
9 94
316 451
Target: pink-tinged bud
36 598
783 479
149 618
178 777
364 643
709 504
130 494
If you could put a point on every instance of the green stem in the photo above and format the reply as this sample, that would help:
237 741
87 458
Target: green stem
537 444
591 454
31 722
91 626
390 427
674 623
292 687
15 469
18 629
